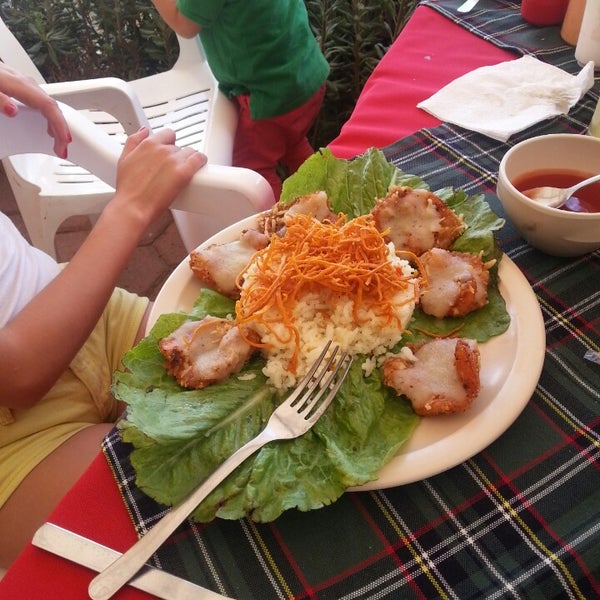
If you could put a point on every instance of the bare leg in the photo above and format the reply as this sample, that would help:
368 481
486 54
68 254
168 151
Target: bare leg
33 501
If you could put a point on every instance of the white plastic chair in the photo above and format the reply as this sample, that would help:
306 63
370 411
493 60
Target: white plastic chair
185 98
243 194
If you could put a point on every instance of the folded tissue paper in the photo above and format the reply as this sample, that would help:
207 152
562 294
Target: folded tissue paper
503 99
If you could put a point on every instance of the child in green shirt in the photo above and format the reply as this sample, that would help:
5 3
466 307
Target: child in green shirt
266 59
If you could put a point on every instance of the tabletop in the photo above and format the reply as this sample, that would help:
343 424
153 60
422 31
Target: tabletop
518 519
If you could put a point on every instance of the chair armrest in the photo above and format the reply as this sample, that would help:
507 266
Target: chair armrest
233 192
216 197
108 94
91 148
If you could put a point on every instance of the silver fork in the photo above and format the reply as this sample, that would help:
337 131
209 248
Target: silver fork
293 417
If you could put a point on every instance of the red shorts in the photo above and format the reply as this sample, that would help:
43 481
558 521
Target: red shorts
263 144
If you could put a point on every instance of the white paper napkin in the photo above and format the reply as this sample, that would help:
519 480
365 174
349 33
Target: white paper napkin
508 97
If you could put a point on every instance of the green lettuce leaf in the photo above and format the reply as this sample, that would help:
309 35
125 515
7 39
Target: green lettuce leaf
481 223
180 436
352 186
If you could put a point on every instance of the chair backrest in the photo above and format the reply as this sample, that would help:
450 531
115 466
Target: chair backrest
191 52
19 59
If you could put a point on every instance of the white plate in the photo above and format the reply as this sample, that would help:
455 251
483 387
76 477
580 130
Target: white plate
510 368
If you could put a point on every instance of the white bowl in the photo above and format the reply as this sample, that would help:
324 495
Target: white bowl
554 231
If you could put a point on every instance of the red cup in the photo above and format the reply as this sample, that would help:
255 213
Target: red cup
544 12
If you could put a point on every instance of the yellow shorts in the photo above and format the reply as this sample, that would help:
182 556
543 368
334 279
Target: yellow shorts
81 397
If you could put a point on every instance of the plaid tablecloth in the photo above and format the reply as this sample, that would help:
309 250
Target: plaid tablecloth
520 519
500 22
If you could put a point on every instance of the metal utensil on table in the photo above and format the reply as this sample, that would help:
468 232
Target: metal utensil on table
295 416
95 556
467 6
555 197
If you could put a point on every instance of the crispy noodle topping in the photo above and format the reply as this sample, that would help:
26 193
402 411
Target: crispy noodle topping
340 260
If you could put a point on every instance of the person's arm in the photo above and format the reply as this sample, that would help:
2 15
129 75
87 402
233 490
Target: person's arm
170 14
38 344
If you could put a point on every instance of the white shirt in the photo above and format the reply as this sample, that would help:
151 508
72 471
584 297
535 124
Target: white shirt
24 270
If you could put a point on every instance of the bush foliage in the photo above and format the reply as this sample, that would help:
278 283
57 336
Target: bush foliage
80 39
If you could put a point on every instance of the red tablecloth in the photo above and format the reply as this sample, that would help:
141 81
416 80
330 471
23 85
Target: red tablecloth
430 52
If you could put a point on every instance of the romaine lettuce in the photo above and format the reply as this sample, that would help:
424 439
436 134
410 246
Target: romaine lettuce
180 436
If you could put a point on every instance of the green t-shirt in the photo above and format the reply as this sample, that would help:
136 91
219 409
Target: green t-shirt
264 48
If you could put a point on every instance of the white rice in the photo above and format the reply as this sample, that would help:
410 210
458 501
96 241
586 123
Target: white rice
318 322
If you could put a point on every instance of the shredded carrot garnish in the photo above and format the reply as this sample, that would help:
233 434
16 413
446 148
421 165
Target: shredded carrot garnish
340 261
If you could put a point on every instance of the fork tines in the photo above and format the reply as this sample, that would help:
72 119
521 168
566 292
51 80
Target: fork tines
329 379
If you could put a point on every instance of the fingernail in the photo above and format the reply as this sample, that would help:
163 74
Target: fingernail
10 109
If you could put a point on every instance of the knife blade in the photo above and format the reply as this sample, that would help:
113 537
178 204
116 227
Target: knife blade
97 557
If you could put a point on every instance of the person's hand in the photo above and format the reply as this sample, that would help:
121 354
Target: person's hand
15 85
152 171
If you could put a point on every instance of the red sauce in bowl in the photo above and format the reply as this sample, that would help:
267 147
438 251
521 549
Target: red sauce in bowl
585 200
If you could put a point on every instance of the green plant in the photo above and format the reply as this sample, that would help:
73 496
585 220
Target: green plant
89 38
80 39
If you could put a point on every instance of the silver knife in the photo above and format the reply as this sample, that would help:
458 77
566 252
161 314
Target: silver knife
467 6
97 557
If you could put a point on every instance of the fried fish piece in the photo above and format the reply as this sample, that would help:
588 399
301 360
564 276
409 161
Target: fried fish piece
200 353
217 266
456 282
441 377
416 220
